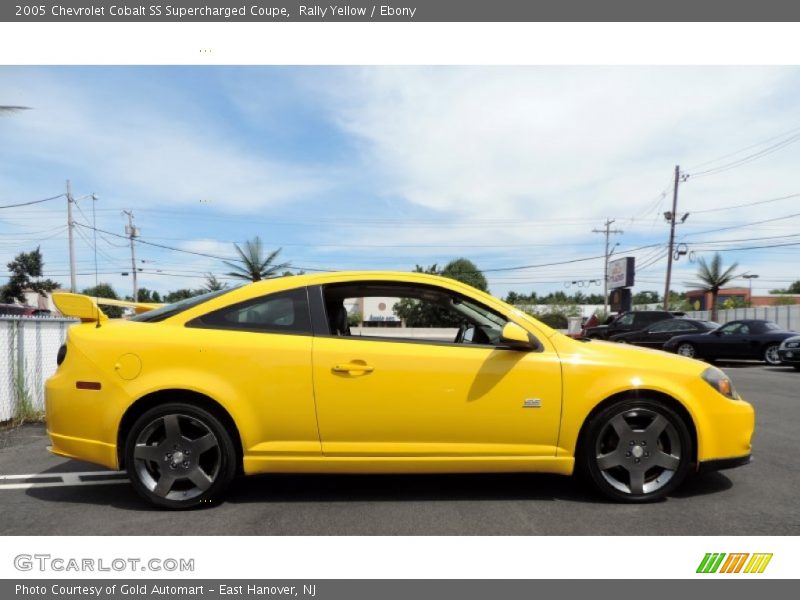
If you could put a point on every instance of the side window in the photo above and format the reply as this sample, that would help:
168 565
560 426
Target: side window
731 329
661 327
626 320
404 312
283 312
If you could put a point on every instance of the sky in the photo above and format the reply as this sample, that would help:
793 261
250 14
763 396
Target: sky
390 167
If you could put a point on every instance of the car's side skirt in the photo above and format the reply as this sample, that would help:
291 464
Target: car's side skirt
417 464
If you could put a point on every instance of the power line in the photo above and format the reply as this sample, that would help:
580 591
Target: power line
747 159
744 225
745 149
204 254
32 202
708 210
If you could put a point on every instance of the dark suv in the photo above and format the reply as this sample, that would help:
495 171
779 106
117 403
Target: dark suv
630 321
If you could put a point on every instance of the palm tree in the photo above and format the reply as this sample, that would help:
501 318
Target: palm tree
254 265
713 278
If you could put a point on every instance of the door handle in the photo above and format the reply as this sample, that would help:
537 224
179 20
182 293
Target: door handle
353 367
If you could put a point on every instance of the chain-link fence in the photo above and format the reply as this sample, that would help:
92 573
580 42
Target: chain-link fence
28 349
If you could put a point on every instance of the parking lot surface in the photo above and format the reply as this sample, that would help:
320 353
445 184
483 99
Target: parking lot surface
41 494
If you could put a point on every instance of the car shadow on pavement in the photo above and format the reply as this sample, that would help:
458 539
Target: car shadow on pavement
703 484
305 488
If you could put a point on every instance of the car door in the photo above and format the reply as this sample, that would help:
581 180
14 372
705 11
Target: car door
729 341
260 351
654 336
382 396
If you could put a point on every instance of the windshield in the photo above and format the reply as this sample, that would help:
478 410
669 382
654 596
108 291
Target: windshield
170 310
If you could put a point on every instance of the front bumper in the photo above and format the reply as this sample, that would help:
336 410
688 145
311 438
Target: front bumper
791 357
719 464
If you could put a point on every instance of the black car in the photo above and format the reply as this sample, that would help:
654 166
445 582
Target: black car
789 352
629 321
658 333
746 339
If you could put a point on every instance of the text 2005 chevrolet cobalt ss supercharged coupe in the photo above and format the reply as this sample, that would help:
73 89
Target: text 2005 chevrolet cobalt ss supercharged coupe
269 378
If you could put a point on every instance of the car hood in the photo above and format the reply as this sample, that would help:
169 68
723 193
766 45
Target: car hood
612 353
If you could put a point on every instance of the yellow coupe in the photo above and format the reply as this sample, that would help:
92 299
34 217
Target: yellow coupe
270 377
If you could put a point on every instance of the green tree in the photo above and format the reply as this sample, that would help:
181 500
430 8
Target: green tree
713 278
183 294
465 271
794 288
417 313
146 295
646 297
26 271
785 301
733 302
254 264
104 290
213 284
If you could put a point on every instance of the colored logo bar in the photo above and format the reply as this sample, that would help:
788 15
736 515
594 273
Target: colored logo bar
737 562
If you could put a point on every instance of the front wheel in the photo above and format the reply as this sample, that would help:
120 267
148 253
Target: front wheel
771 356
636 451
179 456
686 349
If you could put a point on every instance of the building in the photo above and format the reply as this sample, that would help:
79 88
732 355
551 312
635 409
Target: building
701 300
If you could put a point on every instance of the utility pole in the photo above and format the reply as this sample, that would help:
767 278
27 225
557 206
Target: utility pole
132 232
607 231
671 217
73 286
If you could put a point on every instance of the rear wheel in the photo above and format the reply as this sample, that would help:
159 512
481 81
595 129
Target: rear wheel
636 451
179 456
771 356
686 349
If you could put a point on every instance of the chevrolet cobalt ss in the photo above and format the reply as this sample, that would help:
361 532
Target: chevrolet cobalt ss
270 377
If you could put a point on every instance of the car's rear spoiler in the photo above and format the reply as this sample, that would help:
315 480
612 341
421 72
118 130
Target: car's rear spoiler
87 310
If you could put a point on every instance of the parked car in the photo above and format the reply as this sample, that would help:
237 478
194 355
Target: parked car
629 321
19 310
789 351
658 333
268 378
746 339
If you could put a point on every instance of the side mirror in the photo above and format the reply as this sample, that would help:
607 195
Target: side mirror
516 337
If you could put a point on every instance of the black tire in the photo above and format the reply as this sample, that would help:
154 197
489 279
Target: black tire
796 367
179 456
771 356
686 349
636 451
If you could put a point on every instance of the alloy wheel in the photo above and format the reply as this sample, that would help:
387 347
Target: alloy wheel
771 355
177 457
638 451
686 350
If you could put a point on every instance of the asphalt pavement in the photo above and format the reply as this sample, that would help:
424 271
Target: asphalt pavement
41 494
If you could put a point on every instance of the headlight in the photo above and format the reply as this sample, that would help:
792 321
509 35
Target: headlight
792 344
720 382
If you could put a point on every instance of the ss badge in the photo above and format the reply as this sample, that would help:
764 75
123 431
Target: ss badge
532 403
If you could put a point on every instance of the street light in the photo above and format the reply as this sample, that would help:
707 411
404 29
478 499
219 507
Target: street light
750 277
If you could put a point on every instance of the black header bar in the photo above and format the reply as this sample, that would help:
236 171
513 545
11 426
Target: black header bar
401 10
